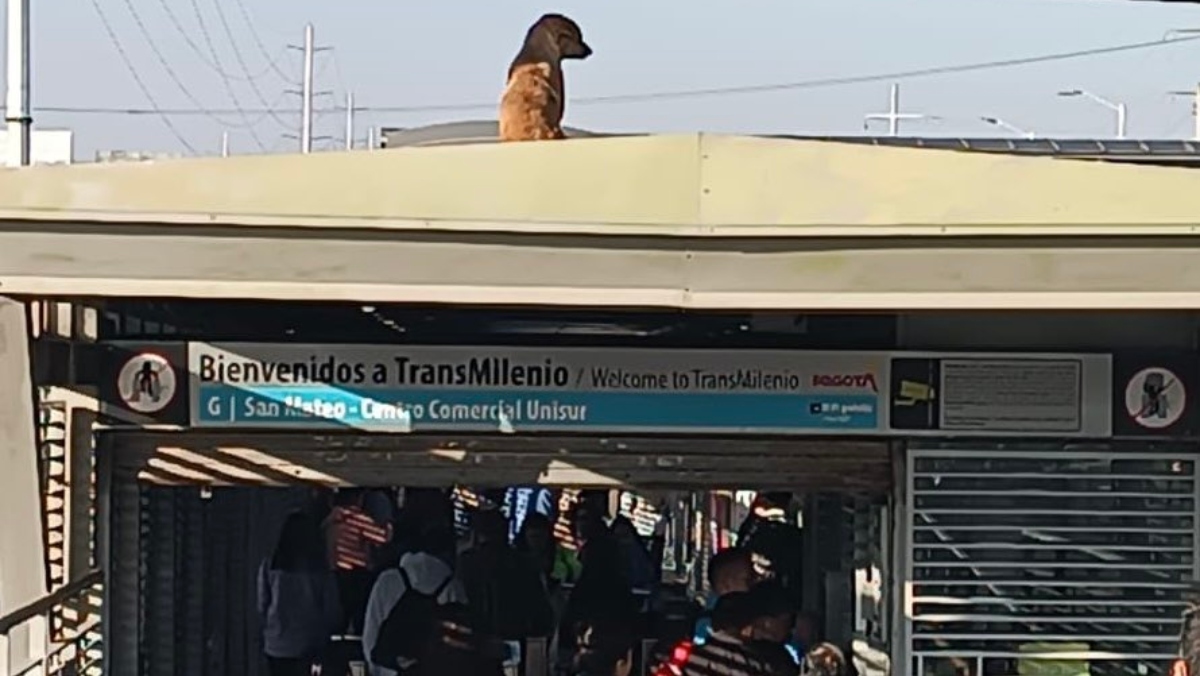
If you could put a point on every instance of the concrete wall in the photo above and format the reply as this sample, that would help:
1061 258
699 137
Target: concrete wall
22 556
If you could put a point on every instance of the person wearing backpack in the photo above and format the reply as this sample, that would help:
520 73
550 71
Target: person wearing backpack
405 606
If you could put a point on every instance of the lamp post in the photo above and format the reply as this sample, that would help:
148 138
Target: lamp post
1118 108
997 122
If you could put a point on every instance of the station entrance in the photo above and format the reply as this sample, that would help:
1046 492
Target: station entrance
960 513
194 514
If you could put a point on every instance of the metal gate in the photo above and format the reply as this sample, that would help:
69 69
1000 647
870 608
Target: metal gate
182 565
1047 558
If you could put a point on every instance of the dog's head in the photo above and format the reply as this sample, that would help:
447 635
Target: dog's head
563 34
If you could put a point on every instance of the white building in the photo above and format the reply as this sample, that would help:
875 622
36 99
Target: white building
46 146
132 156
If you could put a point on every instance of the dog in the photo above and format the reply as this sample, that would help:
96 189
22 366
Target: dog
535 98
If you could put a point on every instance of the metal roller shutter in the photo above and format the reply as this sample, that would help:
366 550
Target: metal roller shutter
219 523
187 608
159 576
122 608
1083 553
173 593
192 582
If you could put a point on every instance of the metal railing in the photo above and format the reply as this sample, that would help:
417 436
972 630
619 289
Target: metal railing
79 653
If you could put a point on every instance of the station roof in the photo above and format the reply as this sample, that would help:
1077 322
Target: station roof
695 221
1169 152
673 184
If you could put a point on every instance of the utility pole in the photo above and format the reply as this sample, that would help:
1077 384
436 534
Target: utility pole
17 114
349 121
306 106
306 92
893 116
1195 96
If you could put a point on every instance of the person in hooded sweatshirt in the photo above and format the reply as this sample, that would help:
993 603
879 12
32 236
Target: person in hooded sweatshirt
297 599
427 566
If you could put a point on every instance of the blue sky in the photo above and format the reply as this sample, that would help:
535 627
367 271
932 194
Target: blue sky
455 51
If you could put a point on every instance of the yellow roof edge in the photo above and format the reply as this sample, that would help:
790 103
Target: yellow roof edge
675 184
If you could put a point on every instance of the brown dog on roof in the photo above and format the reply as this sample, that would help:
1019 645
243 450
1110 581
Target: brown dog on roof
535 98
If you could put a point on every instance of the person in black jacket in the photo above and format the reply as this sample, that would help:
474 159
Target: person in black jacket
504 590
775 542
603 589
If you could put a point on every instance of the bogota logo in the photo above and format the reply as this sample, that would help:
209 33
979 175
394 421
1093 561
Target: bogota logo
858 381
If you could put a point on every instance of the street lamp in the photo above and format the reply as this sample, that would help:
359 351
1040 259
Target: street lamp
1119 108
997 122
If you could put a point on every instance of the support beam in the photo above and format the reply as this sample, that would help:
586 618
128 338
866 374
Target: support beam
887 274
22 556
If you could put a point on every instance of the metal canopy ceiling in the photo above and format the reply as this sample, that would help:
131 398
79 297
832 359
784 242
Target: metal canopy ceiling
180 319
274 459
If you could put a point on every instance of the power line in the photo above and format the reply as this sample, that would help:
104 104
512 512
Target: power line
898 75
233 97
162 60
112 35
257 39
237 54
687 93
211 62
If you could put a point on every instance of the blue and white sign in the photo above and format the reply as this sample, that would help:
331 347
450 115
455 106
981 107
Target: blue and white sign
403 388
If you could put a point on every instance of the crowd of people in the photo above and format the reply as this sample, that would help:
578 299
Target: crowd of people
419 600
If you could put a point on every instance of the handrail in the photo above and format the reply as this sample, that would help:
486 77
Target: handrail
48 602
48 658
